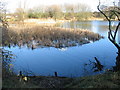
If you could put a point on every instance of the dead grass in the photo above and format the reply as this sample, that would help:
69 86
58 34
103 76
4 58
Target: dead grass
57 37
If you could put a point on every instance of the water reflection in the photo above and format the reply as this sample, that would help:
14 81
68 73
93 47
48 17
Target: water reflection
68 61
100 27
7 60
77 24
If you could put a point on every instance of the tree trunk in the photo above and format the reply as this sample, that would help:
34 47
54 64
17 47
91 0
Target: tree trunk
118 61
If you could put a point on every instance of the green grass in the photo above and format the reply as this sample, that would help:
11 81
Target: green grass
36 82
106 80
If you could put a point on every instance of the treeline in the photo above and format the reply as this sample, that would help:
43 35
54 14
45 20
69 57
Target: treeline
66 11
63 12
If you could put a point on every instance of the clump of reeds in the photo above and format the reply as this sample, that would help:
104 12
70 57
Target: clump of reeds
50 36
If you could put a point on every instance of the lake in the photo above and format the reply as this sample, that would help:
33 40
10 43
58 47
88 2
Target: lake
69 61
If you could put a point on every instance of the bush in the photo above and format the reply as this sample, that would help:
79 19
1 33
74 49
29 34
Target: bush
83 15
33 15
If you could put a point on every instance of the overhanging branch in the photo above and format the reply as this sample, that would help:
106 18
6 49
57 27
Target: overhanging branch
111 37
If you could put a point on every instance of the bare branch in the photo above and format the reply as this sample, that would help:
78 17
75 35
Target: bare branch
98 7
116 30
113 12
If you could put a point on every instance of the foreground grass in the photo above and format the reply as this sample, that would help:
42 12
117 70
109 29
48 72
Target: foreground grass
106 80
36 82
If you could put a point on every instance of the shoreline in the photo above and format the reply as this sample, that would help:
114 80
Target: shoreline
105 80
49 21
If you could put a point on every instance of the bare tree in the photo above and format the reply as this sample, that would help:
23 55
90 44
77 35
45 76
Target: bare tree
4 24
82 7
69 7
3 10
21 11
54 11
109 13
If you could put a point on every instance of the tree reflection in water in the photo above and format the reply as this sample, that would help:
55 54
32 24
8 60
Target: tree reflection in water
7 59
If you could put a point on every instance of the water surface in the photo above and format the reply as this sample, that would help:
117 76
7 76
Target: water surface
68 61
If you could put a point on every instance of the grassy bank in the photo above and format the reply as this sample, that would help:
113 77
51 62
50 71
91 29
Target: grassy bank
106 80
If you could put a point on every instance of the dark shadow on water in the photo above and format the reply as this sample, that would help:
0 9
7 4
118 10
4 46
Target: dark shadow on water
7 66
94 65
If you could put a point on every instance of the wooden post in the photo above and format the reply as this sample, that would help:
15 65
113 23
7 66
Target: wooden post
20 74
55 74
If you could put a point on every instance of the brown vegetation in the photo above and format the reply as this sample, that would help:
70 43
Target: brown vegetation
48 36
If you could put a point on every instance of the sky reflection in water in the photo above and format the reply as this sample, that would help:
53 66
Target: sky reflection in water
68 61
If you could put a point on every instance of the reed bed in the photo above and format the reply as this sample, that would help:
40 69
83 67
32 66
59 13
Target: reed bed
35 36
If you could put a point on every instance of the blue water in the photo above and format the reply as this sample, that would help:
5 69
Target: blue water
69 61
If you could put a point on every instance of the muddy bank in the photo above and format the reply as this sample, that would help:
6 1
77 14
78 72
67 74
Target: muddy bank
38 36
